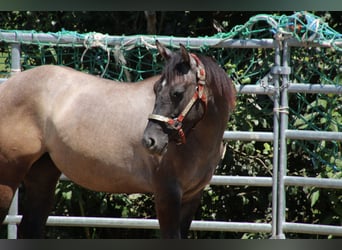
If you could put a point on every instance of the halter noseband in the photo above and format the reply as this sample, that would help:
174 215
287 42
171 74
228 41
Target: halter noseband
177 123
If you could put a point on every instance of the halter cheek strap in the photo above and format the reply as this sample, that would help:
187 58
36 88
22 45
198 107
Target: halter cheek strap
177 123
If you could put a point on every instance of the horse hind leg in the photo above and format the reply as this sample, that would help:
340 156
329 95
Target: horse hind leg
10 178
6 195
39 192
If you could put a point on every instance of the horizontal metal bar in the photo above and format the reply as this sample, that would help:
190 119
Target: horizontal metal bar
259 181
308 88
241 181
75 221
293 42
79 40
40 38
248 136
312 229
313 182
245 43
254 89
314 88
313 135
230 226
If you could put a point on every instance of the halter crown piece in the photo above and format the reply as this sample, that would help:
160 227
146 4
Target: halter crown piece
177 123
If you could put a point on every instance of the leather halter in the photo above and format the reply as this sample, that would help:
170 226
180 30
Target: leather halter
177 123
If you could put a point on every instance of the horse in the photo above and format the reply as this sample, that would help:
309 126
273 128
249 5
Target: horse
114 137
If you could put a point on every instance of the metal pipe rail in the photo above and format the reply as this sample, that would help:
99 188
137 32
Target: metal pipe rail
257 181
75 221
307 88
75 39
93 38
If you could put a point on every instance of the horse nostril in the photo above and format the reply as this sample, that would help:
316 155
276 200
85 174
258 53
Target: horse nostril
149 142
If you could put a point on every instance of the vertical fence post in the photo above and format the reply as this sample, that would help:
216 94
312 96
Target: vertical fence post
15 67
283 110
275 145
13 210
15 58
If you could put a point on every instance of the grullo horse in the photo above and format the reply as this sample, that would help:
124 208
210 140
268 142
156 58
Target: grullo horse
162 136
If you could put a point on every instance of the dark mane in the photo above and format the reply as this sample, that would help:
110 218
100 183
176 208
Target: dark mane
220 79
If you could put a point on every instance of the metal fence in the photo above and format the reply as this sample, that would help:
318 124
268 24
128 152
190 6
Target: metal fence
280 88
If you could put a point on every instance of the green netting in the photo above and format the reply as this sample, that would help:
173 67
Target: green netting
321 112
137 59
302 26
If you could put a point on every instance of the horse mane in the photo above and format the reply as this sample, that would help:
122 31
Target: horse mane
223 84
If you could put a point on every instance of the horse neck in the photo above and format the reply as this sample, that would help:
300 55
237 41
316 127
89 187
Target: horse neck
210 129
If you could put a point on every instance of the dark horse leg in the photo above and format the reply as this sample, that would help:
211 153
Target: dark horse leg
175 216
168 206
40 184
188 211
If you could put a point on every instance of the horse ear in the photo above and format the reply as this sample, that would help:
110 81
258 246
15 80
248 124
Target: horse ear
184 53
186 56
163 51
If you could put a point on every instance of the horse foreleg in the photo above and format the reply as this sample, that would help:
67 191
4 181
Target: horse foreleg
168 205
40 184
188 211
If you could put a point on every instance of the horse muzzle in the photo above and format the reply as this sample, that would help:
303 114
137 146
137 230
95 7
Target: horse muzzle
155 140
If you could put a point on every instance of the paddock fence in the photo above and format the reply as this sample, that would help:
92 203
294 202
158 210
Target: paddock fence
274 83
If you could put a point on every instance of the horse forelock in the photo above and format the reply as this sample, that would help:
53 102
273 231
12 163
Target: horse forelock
175 69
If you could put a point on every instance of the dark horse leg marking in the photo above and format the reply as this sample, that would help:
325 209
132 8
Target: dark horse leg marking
175 224
188 210
168 204
40 184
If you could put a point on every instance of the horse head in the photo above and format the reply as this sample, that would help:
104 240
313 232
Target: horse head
181 100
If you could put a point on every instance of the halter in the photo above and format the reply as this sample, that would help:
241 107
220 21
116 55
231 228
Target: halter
177 123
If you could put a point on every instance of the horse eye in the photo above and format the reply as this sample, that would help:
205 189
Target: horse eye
157 87
176 95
